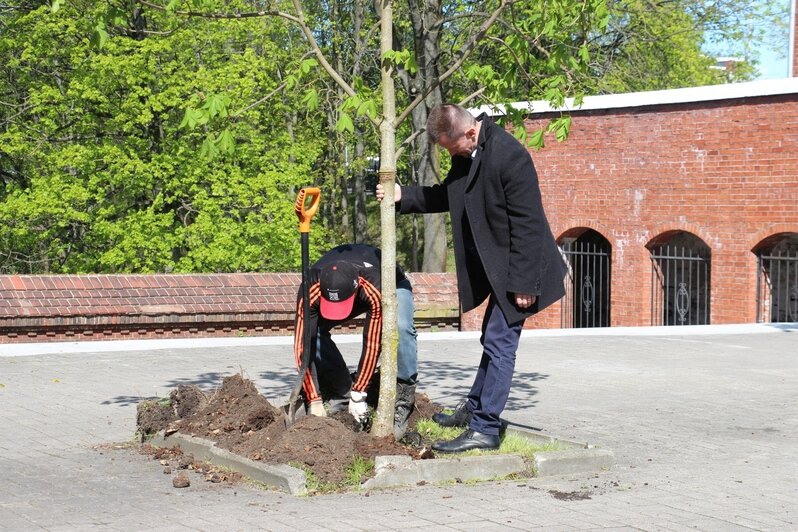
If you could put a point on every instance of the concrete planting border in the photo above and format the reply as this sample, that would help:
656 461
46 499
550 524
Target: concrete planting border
402 471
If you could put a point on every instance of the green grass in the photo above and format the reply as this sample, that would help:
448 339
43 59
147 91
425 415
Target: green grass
355 472
510 443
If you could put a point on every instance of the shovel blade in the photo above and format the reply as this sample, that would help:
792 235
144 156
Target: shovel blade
293 410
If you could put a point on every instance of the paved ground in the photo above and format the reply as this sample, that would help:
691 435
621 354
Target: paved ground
703 423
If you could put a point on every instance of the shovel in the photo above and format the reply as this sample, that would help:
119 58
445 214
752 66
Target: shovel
305 213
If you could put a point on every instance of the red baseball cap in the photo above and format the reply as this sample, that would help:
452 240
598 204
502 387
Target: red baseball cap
338 282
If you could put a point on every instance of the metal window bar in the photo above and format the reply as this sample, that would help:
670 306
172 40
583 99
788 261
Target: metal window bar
587 298
777 288
680 286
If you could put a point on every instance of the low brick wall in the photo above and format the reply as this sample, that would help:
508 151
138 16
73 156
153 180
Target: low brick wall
96 307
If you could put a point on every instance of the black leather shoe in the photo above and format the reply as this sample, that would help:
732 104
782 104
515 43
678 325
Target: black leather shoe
460 418
470 439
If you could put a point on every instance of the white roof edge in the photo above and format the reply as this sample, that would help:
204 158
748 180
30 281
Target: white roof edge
766 87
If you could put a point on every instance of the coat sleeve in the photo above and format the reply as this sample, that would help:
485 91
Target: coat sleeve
311 323
527 223
372 335
423 199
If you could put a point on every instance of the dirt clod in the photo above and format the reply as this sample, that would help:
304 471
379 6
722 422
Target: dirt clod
181 480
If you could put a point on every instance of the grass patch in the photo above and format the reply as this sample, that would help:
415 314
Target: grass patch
356 472
510 443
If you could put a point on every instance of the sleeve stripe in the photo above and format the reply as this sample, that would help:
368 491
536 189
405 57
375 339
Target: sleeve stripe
373 340
307 382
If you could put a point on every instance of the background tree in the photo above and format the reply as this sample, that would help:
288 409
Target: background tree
663 45
134 157
98 127
174 138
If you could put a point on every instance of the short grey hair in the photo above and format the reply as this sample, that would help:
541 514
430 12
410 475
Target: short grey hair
448 119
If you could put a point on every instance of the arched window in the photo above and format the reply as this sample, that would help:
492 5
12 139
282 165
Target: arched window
777 279
680 279
587 301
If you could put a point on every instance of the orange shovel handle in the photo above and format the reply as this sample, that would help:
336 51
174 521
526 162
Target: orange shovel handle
305 212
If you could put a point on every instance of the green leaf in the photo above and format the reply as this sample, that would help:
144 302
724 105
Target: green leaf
216 105
344 124
352 102
208 150
411 65
536 140
226 142
99 36
311 99
307 65
584 54
189 119
56 5
563 128
368 108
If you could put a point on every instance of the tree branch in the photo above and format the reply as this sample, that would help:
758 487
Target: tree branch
223 16
465 52
298 19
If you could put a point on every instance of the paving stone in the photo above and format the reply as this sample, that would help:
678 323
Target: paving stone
702 429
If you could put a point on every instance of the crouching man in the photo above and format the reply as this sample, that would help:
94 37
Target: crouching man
344 284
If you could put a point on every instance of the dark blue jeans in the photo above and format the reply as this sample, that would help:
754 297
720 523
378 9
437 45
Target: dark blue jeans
491 387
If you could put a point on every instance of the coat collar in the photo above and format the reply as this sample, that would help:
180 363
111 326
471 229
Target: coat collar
483 134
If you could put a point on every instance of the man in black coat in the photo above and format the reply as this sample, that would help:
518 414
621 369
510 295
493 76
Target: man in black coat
504 252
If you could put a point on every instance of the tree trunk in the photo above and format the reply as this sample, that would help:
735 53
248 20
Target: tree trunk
426 17
383 423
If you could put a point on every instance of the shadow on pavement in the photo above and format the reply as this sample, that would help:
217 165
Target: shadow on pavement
453 381
204 381
785 327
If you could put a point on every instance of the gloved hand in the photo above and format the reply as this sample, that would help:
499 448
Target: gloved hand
357 405
316 408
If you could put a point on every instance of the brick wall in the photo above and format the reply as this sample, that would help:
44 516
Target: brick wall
91 307
725 170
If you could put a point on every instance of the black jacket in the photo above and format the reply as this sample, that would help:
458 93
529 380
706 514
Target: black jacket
502 239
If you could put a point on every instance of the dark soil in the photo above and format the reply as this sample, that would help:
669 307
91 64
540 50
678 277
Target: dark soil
238 418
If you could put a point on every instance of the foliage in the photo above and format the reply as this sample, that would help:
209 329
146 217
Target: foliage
100 171
653 46
139 139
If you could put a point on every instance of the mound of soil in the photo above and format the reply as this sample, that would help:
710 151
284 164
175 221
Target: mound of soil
238 418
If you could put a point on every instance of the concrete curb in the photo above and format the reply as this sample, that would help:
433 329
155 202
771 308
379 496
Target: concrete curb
281 477
108 346
398 471
551 463
575 457
403 471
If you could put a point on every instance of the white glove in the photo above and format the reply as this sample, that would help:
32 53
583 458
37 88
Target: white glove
316 408
357 405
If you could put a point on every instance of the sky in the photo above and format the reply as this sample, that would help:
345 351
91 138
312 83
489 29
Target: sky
771 65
